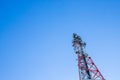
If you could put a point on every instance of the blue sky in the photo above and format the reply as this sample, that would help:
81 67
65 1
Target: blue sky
36 38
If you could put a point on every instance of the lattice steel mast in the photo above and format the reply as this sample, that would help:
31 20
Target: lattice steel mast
86 67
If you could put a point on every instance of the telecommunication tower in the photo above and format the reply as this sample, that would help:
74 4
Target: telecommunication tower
86 67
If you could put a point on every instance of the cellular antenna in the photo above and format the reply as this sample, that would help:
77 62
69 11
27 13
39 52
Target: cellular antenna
86 68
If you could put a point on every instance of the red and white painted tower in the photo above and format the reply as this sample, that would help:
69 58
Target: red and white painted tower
86 67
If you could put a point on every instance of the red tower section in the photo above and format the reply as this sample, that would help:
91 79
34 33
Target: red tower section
86 67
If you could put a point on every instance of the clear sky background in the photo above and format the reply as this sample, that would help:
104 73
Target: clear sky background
36 38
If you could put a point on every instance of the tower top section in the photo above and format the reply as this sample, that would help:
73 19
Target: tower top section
77 42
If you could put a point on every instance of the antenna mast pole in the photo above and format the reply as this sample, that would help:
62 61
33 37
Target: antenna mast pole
86 68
